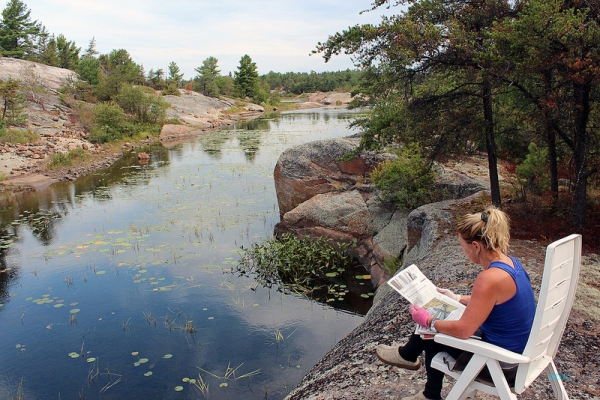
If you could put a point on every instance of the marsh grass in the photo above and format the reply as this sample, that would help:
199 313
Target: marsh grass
230 373
201 385
67 159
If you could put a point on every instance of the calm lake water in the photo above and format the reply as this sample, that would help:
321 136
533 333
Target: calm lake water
119 286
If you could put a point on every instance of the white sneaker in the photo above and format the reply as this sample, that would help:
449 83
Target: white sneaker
390 355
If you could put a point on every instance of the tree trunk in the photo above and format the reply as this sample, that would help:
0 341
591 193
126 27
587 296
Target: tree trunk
490 141
581 94
551 137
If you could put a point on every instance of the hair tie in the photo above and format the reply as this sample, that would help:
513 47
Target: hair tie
484 217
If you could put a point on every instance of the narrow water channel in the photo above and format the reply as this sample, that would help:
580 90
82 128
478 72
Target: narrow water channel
119 286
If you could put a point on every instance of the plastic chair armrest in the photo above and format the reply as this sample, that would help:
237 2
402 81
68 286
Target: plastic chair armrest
482 348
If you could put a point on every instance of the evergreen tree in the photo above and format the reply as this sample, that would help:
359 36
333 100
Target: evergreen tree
91 50
18 32
11 110
88 66
117 68
49 53
68 53
156 78
246 78
207 77
89 70
174 74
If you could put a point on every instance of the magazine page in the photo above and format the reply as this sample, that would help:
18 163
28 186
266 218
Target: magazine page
414 286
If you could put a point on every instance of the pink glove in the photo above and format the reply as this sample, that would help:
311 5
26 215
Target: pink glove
419 315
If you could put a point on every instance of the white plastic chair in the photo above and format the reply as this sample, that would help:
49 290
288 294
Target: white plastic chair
557 292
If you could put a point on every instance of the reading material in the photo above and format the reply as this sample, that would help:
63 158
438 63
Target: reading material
414 286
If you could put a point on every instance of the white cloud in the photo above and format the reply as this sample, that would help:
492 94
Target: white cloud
278 35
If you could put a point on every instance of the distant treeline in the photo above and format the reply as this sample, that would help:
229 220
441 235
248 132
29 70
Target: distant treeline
302 82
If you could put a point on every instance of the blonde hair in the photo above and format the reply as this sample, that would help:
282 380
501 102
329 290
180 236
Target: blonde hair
491 228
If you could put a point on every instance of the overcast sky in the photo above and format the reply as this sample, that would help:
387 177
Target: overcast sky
277 34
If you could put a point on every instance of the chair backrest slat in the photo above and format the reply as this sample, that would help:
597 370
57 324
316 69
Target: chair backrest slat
557 292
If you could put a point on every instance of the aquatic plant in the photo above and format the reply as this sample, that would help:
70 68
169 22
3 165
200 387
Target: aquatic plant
294 264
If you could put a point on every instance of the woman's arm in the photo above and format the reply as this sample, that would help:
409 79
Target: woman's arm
490 286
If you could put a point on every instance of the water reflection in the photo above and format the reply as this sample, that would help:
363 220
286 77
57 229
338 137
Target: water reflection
123 260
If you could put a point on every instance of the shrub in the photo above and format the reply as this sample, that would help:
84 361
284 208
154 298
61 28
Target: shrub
67 159
18 136
171 90
294 263
407 181
145 107
110 123
532 174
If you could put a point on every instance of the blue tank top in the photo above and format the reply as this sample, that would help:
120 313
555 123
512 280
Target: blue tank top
509 323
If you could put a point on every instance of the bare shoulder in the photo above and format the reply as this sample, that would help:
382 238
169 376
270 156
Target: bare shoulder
491 278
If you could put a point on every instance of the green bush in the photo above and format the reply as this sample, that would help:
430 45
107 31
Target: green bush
145 107
110 123
293 263
67 159
407 181
171 90
533 174
17 136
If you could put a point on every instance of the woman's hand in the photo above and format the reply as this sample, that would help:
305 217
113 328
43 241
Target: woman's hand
449 293
420 315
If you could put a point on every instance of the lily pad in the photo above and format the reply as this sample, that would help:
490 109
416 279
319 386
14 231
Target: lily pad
75 311
143 360
73 355
224 384
168 356
178 388
185 380
148 373
91 359
331 274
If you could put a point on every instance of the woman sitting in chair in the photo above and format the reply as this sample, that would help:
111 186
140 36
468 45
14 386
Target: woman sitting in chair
501 304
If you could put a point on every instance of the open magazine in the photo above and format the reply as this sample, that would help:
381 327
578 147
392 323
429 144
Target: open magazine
420 291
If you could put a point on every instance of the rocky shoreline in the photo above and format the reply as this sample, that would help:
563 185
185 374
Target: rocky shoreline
56 122
320 195
351 369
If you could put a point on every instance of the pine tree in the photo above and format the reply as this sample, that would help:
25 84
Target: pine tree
49 53
207 77
174 74
11 110
91 50
68 53
246 78
18 32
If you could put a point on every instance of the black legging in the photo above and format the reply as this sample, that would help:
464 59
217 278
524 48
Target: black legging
413 349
